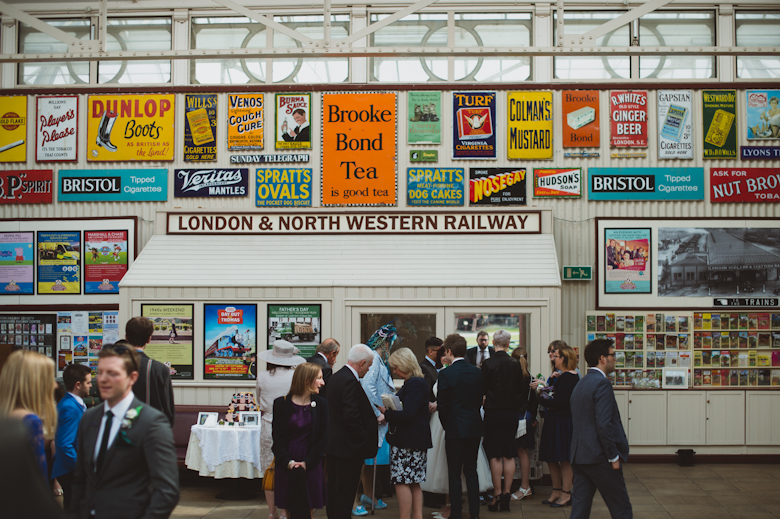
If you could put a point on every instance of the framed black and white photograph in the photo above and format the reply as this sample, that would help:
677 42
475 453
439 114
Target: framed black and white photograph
675 378
251 419
207 419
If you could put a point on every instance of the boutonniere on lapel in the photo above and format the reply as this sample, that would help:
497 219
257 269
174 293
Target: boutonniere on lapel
123 442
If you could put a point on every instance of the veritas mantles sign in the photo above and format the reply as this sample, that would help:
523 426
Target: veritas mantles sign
439 222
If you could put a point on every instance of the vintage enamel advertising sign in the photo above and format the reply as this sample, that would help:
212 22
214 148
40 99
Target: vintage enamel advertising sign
530 134
56 127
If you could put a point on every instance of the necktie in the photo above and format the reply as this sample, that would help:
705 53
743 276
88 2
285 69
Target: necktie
104 441
481 357
297 130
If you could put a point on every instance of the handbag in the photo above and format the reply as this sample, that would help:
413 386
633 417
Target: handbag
522 423
268 476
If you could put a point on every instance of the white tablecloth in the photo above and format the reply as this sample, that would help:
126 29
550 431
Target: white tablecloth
224 451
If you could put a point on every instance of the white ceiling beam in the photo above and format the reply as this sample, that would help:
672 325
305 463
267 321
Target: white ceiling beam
387 21
268 22
42 26
620 21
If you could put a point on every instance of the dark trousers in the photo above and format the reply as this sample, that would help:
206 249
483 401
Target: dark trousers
66 482
343 481
608 481
462 456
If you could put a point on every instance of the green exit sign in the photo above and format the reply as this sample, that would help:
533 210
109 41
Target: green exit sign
576 272
424 156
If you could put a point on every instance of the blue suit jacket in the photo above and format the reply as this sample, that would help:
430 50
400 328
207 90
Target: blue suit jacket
69 413
597 432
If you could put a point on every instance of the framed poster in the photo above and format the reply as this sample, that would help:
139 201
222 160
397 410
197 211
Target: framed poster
130 127
13 128
580 118
17 263
59 262
171 341
675 124
474 125
56 129
300 324
763 114
434 186
627 261
230 339
424 124
719 111
497 186
246 116
105 261
33 332
200 127
293 121
530 134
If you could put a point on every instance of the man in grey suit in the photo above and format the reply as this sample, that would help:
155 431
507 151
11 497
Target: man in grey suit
598 441
126 460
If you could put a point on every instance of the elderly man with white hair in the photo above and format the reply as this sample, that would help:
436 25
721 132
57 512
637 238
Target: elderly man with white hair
352 431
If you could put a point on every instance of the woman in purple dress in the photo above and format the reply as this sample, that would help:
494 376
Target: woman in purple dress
300 434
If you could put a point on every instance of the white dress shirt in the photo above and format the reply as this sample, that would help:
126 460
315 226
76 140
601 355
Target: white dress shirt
354 372
79 400
119 411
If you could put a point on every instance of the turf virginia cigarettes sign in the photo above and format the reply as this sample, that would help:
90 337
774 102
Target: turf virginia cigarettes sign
423 222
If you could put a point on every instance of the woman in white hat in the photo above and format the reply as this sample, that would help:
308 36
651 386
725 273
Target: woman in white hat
281 360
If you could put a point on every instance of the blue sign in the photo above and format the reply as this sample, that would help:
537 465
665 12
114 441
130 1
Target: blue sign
646 184
113 185
210 182
434 186
759 152
283 187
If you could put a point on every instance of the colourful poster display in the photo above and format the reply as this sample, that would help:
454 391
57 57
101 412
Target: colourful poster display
474 125
557 182
719 112
763 114
56 128
283 187
359 149
424 125
130 127
13 128
675 124
113 185
229 182
246 122
59 262
105 261
434 186
300 324
200 127
293 121
580 118
171 341
745 185
530 134
497 186
17 263
628 118
230 339
627 261
30 186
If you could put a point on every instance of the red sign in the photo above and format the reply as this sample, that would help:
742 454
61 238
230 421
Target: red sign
744 185
230 316
31 186
628 119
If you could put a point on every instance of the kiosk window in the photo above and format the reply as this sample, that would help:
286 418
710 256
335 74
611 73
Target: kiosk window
469 325
412 329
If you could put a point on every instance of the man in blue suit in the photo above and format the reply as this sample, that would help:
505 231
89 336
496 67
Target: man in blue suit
78 381
461 388
598 440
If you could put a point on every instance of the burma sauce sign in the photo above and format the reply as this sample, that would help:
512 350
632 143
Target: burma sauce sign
130 127
358 149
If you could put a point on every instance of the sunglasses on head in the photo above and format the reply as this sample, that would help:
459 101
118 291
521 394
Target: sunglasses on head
121 348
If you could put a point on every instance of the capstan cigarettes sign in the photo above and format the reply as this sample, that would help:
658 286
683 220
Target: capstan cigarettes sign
423 222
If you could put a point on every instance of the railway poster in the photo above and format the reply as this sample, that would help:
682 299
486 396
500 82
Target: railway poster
17 263
230 340
627 261
299 324
171 341
105 261
59 262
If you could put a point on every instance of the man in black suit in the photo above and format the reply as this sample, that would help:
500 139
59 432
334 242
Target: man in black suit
428 364
302 132
461 388
481 352
126 463
325 358
598 440
154 385
353 431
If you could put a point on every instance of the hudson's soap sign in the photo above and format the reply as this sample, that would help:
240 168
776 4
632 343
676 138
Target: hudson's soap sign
130 127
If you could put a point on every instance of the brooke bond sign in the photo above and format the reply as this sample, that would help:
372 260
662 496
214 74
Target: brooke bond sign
423 222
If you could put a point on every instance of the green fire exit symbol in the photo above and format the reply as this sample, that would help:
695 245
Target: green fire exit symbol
580 273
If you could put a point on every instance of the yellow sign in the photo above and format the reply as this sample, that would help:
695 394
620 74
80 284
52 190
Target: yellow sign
246 113
530 132
130 127
13 128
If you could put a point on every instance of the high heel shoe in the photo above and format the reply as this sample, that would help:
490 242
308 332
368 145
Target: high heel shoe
493 507
547 501
503 502
567 503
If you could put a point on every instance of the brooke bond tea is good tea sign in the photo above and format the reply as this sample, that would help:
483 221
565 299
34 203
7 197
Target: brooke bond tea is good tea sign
359 149
474 130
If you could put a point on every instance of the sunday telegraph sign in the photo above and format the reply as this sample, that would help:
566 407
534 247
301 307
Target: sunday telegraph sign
423 222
